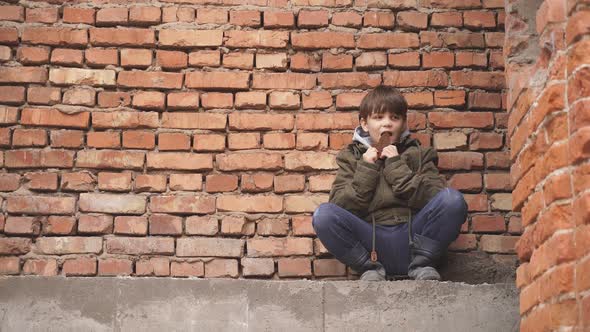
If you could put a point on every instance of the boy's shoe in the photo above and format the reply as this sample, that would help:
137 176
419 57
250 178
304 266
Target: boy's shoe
424 273
376 273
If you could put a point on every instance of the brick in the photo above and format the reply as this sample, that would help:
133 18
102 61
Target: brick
101 57
9 182
136 58
237 225
9 265
238 60
95 224
40 205
114 181
15 246
249 161
67 57
112 16
351 100
23 75
173 141
312 18
498 243
479 19
209 142
217 100
319 40
480 80
250 204
122 37
38 159
12 13
243 141
185 204
317 99
347 19
112 203
258 267
257 182
22 225
312 141
379 19
260 121
115 267
204 58
131 225
273 246
304 203
67 138
190 38
172 60
162 224
29 137
120 119
212 247
8 36
12 95
179 161
289 183
68 245
201 225
321 183
498 181
217 80
279 141
182 100
55 36
145 15
461 119
446 19
140 246
150 100
294 267
256 39
278 19
250 100
438 60
328 267
110 159
59 225
482 141
272 226
412 20
42 181
452 40
212 121
322 122
80 267
77 181
404 60
75 76
488 223
349 80
450 141
336 62
187 269
305 62
302 226
103 140
460 160
190 182
276 61
212 16
471 59
80 96
156 80
502 202
43 95
248 18
388 40
427 78
40 267
157 266
371 60
113 99
464 242
78 15
150 183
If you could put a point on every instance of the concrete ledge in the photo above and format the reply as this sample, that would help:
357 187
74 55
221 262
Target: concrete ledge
34 303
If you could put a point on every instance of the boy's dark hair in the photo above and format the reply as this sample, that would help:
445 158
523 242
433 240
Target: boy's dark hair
383 99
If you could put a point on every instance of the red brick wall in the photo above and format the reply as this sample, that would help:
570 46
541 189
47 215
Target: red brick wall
550 149
196 139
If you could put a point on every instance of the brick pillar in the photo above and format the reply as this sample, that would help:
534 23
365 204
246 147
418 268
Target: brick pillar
547 53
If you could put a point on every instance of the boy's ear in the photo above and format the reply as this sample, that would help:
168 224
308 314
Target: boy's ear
364 124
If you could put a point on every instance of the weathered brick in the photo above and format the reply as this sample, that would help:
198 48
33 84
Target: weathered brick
249 161
95 224
217 80
212 247
122 37
162 224
258 267
212 121
153 245
179 161
157 266
189 182
15 245
250 204
131 225
82 266
190 38
256 39
40 267
22 225
323 121
221 268
23 75
113 203
319 40
388 40
185 204
55 36
201 225
157 80
274 246
187 269
68 245
31 204
110 159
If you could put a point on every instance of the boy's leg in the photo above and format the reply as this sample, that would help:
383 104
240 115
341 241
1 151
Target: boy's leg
349 238
438 224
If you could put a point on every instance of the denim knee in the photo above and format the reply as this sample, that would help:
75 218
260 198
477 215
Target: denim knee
453 199
322 216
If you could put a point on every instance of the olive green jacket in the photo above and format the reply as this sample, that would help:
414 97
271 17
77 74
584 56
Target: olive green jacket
389 190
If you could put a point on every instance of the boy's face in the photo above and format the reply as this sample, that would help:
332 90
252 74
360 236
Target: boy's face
376 124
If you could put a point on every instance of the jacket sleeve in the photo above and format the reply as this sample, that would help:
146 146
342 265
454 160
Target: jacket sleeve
354 187
418 188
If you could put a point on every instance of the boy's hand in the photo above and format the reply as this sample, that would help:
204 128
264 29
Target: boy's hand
371 155
389 151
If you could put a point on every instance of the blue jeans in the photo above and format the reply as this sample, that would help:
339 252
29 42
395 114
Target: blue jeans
339 230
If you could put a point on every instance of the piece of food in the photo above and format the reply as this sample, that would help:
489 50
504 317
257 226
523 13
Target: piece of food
384 141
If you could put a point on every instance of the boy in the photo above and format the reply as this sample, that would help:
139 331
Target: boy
389 189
